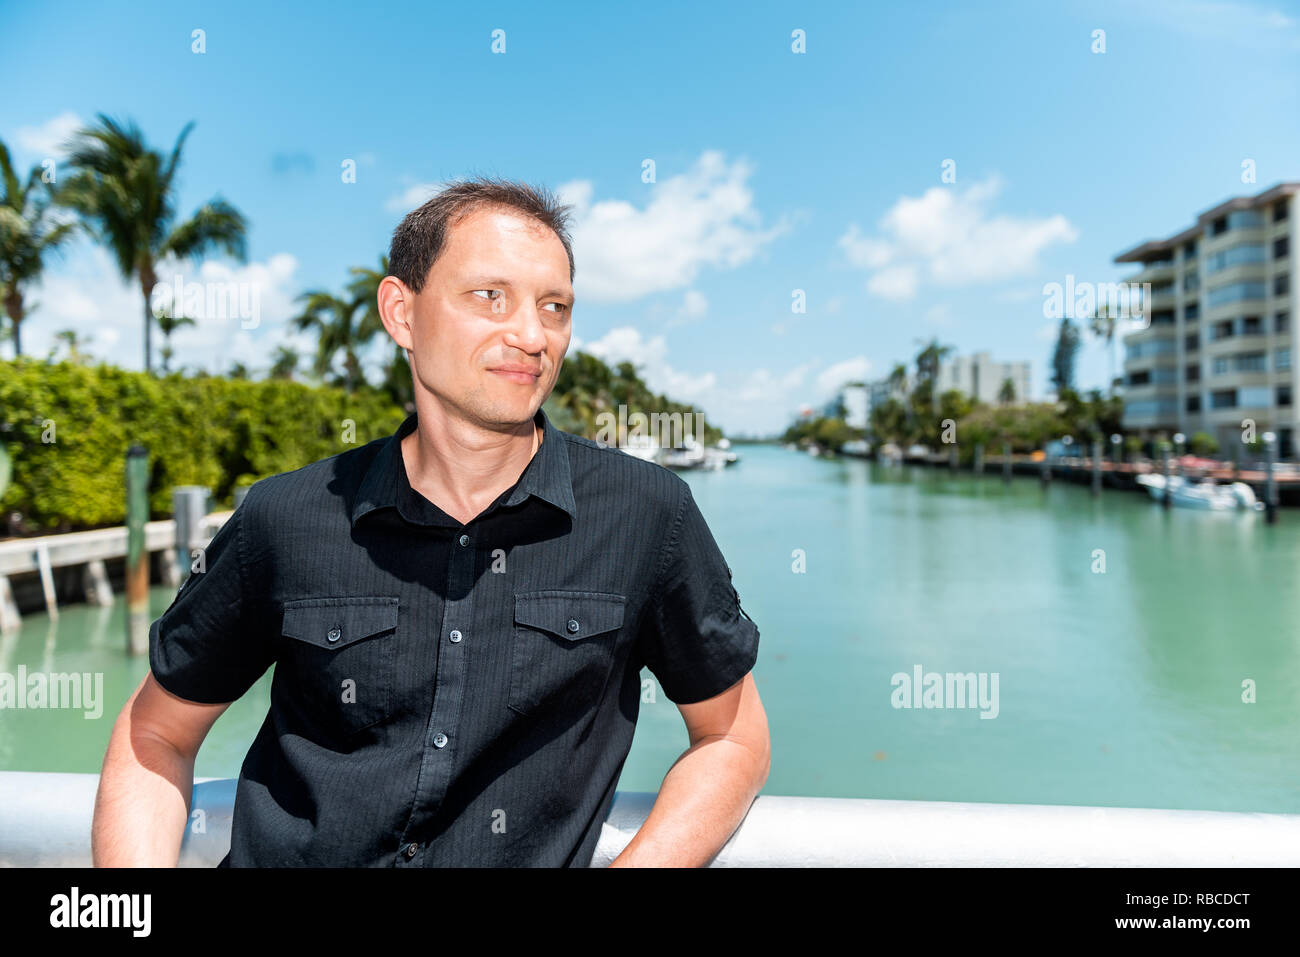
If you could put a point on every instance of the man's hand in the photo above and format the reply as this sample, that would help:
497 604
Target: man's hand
708 790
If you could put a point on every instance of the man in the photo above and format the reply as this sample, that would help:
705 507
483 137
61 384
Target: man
457 614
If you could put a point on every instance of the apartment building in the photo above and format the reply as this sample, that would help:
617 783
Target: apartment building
1216 349
981 377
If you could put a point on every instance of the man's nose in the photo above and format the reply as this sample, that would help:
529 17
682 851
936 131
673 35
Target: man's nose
525 331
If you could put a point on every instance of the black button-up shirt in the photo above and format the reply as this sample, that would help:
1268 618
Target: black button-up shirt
448 694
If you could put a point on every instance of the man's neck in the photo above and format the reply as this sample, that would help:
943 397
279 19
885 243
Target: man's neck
462 468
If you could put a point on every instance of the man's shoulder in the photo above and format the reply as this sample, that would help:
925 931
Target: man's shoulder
334 477
607 470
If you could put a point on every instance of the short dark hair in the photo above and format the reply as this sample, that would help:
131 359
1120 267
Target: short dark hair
420 236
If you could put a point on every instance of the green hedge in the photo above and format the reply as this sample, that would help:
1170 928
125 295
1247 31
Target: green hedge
203 430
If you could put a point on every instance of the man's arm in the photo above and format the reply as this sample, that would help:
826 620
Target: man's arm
143 802
708 790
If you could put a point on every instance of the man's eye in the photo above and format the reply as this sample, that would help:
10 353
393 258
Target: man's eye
493 293
562 308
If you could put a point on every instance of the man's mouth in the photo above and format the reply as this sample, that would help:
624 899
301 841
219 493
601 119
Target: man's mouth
524 375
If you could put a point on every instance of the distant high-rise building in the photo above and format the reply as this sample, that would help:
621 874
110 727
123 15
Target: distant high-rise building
1216 350
981 377
855 400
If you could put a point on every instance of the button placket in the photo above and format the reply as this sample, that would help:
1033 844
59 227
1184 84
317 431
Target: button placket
436 765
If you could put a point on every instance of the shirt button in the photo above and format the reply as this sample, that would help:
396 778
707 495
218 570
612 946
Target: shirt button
573 625
456 636
411 849
334 634
439 740
464 540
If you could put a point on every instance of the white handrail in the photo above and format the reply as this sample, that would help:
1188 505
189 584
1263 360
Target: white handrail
45 822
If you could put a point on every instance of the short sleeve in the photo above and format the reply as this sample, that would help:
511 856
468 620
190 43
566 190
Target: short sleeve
208 646
696 638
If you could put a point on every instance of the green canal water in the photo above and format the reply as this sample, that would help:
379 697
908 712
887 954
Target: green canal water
1119 687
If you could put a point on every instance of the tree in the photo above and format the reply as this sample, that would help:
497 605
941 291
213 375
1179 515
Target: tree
1007 394
335 321
1063 355
397 371
125 193
285 363
1103 325
167 324
27 232
74 343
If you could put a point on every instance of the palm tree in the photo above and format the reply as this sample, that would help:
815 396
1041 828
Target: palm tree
1007 394
75 343
27 233
285 363
1103 325
126 193
167 324
397 370
334 319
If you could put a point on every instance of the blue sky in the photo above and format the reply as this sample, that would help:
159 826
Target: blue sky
775 171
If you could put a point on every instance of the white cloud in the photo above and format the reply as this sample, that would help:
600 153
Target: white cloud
830 379
412 197
896 283
704 217
694 304
949 237
112 315
48 138
650 356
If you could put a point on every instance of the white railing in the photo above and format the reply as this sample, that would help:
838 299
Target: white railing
45 822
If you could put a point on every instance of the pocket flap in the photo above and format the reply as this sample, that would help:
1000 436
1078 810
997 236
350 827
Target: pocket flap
338 622
570 614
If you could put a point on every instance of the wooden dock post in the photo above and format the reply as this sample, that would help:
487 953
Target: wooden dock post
1096 466
979 458
95 578
1167 498
1270 485
137 556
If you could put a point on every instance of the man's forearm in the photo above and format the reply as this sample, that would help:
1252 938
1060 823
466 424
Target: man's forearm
705 795
142 805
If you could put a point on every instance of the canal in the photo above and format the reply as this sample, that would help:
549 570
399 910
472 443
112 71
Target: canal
1130 656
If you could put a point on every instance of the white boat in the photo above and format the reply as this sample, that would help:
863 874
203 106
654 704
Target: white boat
642 447
1203 494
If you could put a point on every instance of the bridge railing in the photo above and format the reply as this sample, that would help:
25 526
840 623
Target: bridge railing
45 822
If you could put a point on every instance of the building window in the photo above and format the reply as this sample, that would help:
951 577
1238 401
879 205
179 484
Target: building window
1219 226
1221 330
1140 378
1191 282
1189 251
1251 326
1281 247
1243 254
1250 362
1245 219
1220 365
1282 322
1282 360
1163 317
1192 311
1194 372
1193 403
1223 399
1284 395
1279 211
1235 292
1192 343
1281 285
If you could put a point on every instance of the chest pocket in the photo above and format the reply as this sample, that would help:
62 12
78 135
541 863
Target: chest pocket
340 659
563 648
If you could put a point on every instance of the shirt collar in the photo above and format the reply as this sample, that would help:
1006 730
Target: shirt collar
386 484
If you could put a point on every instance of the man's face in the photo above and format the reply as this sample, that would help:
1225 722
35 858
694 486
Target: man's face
493 321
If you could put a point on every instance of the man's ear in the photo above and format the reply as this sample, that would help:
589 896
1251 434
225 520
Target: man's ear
397 311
